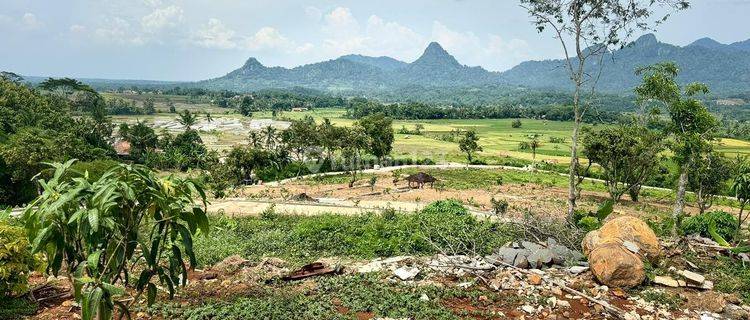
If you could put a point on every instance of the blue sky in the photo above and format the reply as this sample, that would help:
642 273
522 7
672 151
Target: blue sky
199 39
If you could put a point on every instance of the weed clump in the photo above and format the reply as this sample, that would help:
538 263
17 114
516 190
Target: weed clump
300 239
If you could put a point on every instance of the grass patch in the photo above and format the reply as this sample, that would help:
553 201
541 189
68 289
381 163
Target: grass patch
301 239
344 297
16 308
661 297
729 275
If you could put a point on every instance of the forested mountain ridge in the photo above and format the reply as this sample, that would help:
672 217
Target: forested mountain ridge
436 67
724 67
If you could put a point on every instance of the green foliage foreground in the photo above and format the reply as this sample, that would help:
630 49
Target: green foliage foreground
344 297
302 239
97 230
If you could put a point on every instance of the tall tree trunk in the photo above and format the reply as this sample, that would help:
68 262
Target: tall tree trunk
701 201
573 169
679 204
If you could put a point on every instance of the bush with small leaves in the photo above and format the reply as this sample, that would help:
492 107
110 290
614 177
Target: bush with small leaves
499 206
725 223
94 230
16 260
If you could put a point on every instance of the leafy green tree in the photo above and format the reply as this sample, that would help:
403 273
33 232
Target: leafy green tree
301 137
255 139
418 128
627 155
188 150
242 162
142 138
708 178
741 190
516 124
534 143
247 106
64 86
587 30
469 144
354 145
187 119
270 137
691 125
330 137
93 231
10 76
148 106
379 130
171 106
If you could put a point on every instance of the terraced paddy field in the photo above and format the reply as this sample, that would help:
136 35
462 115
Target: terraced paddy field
500 141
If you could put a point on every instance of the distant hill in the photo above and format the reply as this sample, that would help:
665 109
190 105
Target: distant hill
724 67
436 67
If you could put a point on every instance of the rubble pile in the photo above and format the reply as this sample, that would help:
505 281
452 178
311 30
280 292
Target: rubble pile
527 255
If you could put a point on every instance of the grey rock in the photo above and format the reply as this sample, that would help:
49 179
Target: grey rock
551 242
531 246
521 262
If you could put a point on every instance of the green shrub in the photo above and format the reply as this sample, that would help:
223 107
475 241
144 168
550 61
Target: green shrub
499 206
590 220
589 223
301 239
726 224
16 308
16 260
445 207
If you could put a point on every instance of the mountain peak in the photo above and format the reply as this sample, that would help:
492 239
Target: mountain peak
435 54
647 39
707 43
252 64
435 48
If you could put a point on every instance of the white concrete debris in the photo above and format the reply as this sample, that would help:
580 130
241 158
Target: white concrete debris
406 273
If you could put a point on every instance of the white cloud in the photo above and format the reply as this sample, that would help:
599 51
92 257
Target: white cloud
161 18
267 38
340 23
77 28
305 48
118 30
494 53
392 38
214 35
152 3
313 13
29 21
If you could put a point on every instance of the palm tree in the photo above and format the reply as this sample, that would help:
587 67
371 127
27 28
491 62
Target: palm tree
255 139
534 143
269 133
187 119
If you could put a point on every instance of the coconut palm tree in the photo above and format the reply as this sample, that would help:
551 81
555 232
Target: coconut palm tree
187 119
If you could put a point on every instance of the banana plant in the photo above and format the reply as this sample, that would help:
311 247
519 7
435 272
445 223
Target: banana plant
98 232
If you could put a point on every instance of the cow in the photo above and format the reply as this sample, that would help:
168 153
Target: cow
420 179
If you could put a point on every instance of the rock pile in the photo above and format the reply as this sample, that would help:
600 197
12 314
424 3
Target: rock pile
527 255
616 251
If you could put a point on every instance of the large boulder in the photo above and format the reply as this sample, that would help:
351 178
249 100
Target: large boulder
622 229
615 266
590 241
